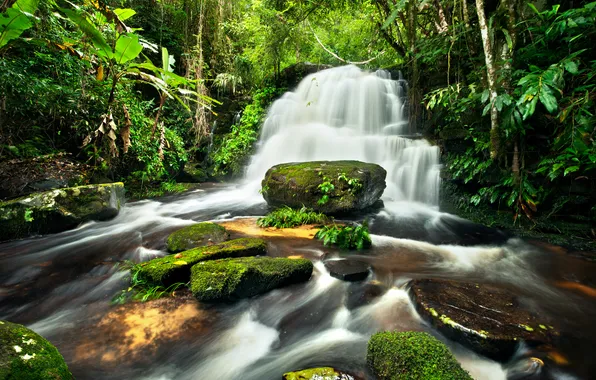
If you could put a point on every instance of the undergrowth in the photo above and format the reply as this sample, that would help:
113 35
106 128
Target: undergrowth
287 217
142 290
346 237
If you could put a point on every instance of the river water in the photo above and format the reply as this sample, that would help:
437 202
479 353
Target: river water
61 285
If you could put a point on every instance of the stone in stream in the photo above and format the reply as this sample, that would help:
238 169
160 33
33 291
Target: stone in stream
348 269
232 279
323 373
411 355
196 235
331 187
25 354
359 294
487 319
59 210
176 268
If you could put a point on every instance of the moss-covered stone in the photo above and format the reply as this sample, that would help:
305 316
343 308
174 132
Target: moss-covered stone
26 355
488 319
356 185
323 373
412 355
195 236
232 279
176 268
59 210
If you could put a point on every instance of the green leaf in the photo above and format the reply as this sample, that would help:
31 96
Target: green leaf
485 95
102 48
124 14
571 67
13 23
391 18
570 169
548 99
127 48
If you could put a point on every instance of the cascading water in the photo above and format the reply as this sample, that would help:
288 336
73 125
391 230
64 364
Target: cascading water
346 113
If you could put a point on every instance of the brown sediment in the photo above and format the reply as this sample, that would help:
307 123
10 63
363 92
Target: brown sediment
248 226
584 289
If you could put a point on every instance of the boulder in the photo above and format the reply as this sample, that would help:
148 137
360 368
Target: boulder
232 279
171 269
487 319
359 294
59 210
348 269
331 187
323 373
411 355
25 354
196 235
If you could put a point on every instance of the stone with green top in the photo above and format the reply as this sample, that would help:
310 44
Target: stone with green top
59 210
322 373
196 235
412 355
232 279
172 269
26 355
330 187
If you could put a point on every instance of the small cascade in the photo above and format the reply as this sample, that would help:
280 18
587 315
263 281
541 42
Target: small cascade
345 113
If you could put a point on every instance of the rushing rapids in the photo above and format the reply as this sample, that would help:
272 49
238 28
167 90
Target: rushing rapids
61 285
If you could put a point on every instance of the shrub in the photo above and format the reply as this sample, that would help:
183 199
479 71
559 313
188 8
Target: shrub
346 237
287 217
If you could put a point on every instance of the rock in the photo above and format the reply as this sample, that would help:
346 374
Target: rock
195 236
192 173
323 373
25 354
356 185
359 294
59 210
348 269
232 279
292 75
411 355
485 318
176 268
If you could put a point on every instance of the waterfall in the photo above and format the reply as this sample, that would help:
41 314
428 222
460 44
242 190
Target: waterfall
347 113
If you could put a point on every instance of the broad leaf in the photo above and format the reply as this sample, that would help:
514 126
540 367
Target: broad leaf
571 66
124 14
102 48
13 23
127 48
548 99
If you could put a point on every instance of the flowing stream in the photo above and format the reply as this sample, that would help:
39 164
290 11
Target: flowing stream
61 285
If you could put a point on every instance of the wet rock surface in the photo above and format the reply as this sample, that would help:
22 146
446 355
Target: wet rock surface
346 186
196 235
488 319
363 294
348 269
323 373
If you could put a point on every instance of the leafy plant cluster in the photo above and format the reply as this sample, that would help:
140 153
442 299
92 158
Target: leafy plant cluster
287 217
327 187
142 290
345 237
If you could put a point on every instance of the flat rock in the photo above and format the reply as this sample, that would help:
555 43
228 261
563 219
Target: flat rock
348 269
196 235
359 294
488 319
323 373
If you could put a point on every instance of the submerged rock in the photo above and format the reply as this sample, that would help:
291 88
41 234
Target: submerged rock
487 319
323 373
359 294
25 354
348 269
195 236
411 355
331 187
232 279
176 268
59 210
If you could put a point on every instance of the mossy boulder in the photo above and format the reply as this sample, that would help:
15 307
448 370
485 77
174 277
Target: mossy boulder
171 269
26 355
59 210
330 187
323 373
232 279
488 319
412 355
195 236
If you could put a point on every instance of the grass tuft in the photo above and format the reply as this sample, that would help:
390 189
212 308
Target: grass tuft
287 217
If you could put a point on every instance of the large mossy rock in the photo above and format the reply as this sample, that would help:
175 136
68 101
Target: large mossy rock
26 355
356 185
171 269
322 373
412 355
196 235
489 320
59 210
233 279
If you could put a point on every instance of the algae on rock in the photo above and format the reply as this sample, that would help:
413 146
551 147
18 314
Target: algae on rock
232 279
196 235
322 373
26 355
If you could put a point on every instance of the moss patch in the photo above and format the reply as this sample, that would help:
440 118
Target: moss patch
26 355
176 268
323 373
412 355
195 236
232 279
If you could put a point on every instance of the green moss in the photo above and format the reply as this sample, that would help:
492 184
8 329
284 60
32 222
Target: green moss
176 268
324 373
25 355
195 236
412 355
231 279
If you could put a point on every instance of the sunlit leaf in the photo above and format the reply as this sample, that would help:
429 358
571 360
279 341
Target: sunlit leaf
127 48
